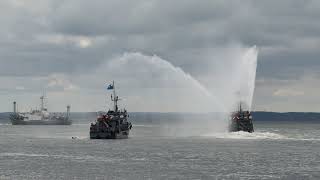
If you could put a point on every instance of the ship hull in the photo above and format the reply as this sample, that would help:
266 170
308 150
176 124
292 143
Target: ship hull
109 135
39 122
246 126
19 120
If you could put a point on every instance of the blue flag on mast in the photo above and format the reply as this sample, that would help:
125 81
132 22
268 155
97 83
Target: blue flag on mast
110 87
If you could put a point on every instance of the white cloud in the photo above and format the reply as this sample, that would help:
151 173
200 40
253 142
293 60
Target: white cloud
84 42
61 39
287 93
60 81
20 88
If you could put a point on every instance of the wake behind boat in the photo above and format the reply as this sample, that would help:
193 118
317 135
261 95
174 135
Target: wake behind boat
39 117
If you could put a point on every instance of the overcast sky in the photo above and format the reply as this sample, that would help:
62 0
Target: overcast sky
160 52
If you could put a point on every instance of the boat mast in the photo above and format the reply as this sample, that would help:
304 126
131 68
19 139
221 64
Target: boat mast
68 111
42 98
14 107
114 98
42 102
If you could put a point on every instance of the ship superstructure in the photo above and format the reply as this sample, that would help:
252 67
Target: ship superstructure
113 124
40 116
241 121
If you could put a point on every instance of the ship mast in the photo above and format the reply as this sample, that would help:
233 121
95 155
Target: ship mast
42 98
42 102
14 107
115 98
68 111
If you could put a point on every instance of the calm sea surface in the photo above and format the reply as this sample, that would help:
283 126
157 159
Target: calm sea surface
277 150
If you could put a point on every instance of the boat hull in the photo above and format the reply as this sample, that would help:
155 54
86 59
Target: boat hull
19 120
246 126
109 135
40 122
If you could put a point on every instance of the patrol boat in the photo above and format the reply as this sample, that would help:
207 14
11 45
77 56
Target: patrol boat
113 124
39 117
241 121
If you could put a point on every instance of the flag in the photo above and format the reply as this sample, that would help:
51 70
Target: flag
110 86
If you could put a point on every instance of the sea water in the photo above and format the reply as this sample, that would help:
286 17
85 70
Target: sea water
156 150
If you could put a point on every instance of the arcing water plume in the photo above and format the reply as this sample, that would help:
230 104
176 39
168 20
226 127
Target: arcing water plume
146 83
154 84
161 68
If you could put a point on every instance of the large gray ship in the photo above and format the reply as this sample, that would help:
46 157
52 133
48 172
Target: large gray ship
241 121
39 116
113 124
